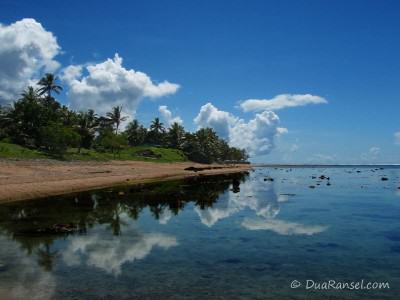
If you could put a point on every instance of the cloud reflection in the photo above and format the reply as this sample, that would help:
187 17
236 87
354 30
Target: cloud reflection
282 227
255 195
261 198
29 280
107 252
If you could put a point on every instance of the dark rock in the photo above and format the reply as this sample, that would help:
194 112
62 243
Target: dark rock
384 178
312 186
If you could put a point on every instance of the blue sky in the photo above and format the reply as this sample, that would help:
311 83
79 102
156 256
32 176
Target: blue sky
223 52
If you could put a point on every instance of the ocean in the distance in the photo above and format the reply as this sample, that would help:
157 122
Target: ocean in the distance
275 233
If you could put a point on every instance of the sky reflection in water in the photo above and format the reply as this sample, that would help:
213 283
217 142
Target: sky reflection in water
206 238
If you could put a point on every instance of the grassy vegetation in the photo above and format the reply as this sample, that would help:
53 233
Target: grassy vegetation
139 153
8 150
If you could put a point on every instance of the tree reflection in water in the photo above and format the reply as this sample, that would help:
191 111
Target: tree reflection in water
36 225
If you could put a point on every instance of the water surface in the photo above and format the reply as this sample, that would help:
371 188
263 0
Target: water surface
241 237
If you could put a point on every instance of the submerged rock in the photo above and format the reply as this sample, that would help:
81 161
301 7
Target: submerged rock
384 178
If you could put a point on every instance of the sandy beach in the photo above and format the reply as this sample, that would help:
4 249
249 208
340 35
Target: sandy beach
22 180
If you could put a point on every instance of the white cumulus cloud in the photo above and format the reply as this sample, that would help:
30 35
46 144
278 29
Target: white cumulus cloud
167 117
256 136
220 121
26 51
281 101
106 84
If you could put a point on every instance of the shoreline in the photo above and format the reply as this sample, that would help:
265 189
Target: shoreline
33 179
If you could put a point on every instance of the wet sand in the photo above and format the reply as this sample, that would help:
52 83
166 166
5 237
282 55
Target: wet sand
22 180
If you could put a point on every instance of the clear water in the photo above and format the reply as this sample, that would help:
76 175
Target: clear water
205 239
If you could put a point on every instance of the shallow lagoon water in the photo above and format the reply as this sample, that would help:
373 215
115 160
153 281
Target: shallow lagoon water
208 238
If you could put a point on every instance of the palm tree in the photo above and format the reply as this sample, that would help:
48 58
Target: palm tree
157 130
115 117
135 133
29 94
68 117
88 122
176 134
48 85
156 126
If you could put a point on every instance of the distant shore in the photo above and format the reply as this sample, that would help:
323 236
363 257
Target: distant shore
29 179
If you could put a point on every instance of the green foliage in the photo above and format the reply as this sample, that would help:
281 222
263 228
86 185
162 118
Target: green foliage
8 150
176 136
156 134
48 84
110 141
38 121
115 117
56 138
87 124
136 133
128 153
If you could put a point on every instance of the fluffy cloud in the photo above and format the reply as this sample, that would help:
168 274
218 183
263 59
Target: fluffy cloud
397 138
220 121
256 136
108 84
26 51
281 101
166 115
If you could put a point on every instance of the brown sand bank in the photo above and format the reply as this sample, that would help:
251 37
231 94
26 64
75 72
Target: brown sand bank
21 180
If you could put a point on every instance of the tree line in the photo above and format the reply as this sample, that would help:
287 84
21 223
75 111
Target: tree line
38 121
